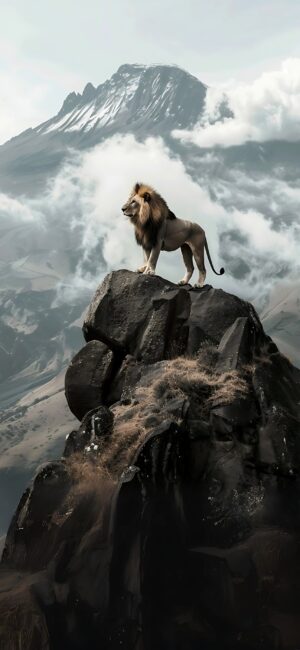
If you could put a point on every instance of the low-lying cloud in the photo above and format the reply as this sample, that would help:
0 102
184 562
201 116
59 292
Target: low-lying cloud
14 210
79 218
266 109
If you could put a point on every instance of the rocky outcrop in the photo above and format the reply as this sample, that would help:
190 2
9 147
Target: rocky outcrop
87 377
131 313
173 519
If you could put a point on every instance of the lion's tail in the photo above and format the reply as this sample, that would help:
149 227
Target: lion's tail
210 261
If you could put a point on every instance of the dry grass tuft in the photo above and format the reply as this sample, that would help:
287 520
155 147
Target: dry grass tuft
190 377
194 378
115 452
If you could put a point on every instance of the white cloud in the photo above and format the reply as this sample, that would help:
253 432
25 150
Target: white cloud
99 182
266 109
13 210
81 217
263 239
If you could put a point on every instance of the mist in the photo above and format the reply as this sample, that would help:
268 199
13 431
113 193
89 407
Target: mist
252 227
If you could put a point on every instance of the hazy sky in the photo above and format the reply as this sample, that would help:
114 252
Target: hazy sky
50 48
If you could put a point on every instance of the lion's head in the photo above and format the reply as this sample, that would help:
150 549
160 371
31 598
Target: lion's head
145 204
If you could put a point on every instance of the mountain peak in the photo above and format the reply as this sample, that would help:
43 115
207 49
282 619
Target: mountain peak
154 68
70 102
138 98
129 67
89 92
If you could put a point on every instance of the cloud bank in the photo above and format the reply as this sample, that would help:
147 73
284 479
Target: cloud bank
79 219
266 109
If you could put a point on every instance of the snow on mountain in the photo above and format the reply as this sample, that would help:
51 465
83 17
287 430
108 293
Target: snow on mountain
137 99
134 95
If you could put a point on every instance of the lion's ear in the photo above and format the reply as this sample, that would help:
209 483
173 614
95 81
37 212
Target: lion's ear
137 187
147 197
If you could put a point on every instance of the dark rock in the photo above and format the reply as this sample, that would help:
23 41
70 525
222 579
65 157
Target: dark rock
166 441
31 526
212 312
177 408
170 314
173 520
151 421
238 414
95 427
279 443
199 428
277 382
266 453
87 376
20 605
238 344
125 552
140 315
122 385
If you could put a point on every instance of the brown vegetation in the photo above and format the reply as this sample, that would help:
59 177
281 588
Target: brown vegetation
181 377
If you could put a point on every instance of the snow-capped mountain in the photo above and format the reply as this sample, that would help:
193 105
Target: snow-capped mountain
145 98
138 99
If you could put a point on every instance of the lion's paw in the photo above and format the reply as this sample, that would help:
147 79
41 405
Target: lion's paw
198 285
141 269
182 283
149 271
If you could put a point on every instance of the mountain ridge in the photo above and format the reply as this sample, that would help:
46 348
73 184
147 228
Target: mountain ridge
136 99
149 89
90 92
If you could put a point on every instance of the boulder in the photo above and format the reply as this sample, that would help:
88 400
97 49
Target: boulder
205 322
31 536
238 344
127 376
87 377
96 425
173 518
140 315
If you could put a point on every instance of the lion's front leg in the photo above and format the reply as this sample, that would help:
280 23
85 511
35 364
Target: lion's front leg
142 269
153 257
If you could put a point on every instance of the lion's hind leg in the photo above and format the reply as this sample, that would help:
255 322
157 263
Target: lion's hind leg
188 261
197 246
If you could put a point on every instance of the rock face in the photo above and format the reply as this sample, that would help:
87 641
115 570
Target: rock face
173 519
131 313
87 376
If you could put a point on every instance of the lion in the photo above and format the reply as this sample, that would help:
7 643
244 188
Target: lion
157 228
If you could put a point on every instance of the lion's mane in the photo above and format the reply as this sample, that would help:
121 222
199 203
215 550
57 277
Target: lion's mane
153 212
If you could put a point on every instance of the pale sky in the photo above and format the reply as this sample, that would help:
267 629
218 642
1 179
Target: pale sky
49 48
